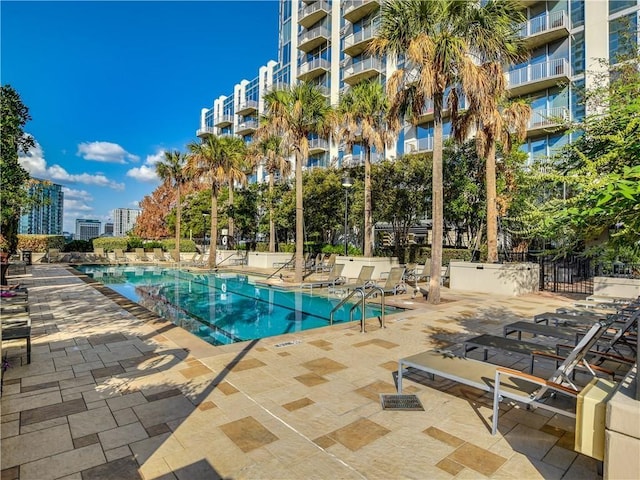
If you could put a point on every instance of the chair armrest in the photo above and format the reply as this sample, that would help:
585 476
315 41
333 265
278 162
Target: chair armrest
537 380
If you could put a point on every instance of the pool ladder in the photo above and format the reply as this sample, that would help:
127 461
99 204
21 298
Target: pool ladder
363 302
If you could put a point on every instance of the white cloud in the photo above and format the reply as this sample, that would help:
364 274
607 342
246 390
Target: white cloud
35 163
77 194
147 172
105 152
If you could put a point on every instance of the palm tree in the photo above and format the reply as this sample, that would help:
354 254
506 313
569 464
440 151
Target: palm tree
234 160
440 42
361 118
171 170
206 161
270 149
295 113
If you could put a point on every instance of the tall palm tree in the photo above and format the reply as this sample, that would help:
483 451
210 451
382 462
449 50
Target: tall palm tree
361 118
295 113
270 149
234 161
172 171
206 161
440 43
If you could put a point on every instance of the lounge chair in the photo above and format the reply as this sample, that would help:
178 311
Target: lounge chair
505 382
99 255
327 264
334 278
241 258
287 264
394 282
158 255
141 256
363 280
18 331
120 256
54 255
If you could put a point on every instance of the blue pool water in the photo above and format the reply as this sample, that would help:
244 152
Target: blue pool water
223 308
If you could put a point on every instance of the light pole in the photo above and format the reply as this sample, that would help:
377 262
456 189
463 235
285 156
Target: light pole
347 183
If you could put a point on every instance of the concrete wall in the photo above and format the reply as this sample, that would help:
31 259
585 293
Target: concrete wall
497 278
622 434
616 287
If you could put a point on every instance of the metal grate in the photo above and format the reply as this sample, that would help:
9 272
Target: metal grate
400 402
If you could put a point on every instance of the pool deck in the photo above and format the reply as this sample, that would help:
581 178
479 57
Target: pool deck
114 392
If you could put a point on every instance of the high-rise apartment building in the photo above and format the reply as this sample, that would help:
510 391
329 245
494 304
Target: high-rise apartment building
108 229
325 42
87 229
45 215
124 219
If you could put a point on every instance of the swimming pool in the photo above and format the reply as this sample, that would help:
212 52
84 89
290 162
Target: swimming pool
224 308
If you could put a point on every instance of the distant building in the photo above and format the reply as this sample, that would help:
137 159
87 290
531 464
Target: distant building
108 229
44 217
124 219
87 229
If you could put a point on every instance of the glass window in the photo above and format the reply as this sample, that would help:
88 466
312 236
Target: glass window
577 53
577 101
577 13
286 9
617 5
622 36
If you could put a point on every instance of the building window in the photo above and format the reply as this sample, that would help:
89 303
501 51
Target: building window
577 13
577 53
623 37
618 5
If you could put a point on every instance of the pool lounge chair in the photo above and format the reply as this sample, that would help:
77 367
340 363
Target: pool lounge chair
505 382
363 281
120 256
99 255
394 282
141 256
327 264
334 278
54 255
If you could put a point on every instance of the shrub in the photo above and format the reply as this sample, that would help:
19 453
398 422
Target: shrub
40 243
186 245
111 243
151 244
134 242
78 246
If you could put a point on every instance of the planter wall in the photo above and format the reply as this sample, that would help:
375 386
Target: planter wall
495 278
616 287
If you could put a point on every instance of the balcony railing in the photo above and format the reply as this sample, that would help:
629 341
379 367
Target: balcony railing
548 117
246 126
313 68
223 120
544 23
557 67
312 13
247 106
355 43
357 159
201 132
310 39
318 144
356 71
424 144
354 10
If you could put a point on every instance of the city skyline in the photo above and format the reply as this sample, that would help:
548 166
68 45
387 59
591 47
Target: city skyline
108 97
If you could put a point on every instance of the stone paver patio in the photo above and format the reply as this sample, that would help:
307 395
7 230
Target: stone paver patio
114 392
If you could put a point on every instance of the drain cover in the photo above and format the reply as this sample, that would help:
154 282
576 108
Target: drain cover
400 402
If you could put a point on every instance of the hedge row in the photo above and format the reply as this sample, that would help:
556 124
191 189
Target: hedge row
40 243
131 243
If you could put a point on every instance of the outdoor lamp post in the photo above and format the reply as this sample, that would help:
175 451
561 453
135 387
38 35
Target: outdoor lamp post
347 183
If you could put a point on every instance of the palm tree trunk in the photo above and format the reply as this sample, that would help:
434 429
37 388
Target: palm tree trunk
492 211
178 222
231 219
299 222
437 211
368 214
214 227
272 223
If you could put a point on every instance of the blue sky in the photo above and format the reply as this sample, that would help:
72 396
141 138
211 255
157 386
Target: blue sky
111 85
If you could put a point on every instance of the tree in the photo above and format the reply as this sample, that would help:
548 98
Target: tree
152 222
361 118
235 166
171 171
270 149
295 113
13 178
441 42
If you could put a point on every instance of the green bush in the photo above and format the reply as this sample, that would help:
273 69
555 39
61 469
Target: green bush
111 243
186 245
151 244
78 246
134 242
286 247
40 243
262 247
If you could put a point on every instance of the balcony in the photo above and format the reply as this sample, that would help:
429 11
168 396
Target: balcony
422 145
356 72
313 69
538 76
356 43
246 127
247 107
547 28
545 119
311 14
354 10
318 145
357 159
310 39
223 121
205 132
